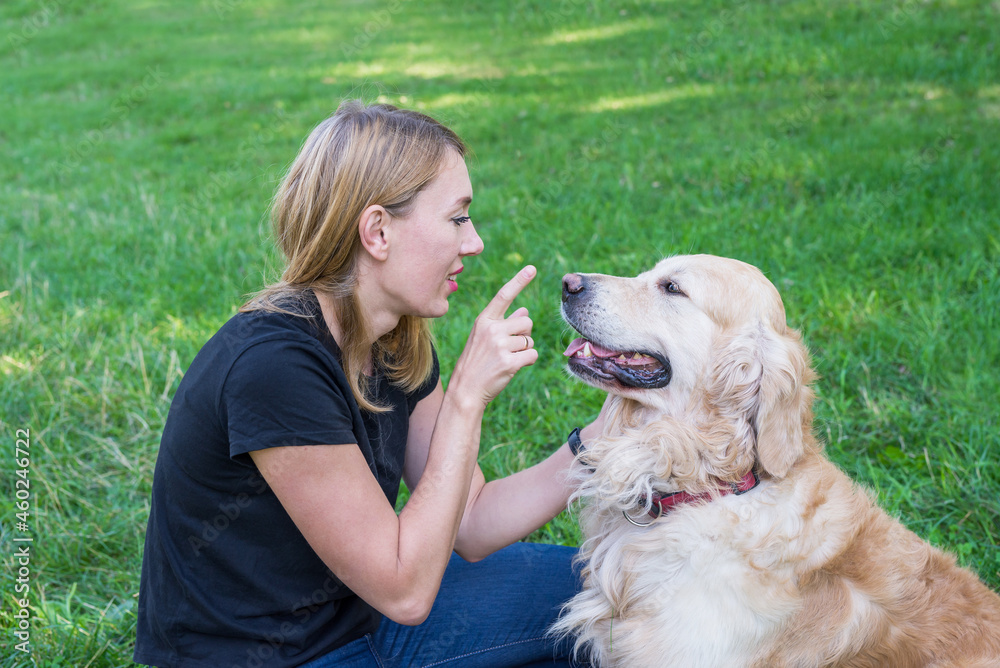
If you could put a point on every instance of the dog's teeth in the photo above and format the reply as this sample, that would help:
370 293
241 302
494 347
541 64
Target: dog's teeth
637 356
621 358
586 351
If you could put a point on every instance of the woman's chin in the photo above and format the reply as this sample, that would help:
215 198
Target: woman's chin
436 310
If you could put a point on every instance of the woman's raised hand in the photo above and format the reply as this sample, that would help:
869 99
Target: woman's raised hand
498 346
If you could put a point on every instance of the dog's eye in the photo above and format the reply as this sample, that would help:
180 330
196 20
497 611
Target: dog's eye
672 288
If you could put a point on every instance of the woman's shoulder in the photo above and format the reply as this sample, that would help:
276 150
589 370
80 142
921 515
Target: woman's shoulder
266 338
264 353
293 317
250 328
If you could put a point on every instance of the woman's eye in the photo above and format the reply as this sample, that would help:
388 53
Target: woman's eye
461 219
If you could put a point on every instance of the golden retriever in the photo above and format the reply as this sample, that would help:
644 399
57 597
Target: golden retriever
717 532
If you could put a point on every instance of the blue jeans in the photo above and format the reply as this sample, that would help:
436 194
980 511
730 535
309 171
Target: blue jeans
490 614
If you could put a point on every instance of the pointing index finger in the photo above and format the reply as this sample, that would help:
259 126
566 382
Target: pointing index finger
497 308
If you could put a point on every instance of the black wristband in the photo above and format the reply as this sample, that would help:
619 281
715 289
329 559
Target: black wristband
575 444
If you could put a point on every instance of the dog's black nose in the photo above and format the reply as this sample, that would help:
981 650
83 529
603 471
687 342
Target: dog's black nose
573 284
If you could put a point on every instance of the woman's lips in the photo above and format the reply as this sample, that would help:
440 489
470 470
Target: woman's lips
452 279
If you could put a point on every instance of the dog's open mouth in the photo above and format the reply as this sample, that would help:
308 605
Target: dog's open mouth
632 369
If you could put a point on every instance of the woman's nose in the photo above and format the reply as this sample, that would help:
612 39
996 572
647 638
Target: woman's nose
472 244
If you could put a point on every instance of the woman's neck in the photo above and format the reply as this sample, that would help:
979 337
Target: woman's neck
328 308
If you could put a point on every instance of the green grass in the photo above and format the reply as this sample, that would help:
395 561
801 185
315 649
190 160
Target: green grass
847 149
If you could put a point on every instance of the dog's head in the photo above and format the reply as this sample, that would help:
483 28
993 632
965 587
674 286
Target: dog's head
698 343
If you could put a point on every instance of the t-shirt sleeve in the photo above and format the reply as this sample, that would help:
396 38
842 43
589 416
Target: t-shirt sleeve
428 385
281 393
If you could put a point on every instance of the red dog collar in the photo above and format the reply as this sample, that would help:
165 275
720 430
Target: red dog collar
664 503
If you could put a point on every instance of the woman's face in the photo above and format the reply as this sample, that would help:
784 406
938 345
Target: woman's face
427 245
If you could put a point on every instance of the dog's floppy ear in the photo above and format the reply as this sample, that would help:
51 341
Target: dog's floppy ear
784 405
760 383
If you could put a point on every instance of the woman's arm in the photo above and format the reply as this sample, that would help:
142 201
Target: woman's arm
502 511
393 562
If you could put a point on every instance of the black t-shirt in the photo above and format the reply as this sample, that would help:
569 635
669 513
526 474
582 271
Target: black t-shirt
227 578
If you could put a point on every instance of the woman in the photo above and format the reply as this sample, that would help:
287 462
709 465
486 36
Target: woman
272 536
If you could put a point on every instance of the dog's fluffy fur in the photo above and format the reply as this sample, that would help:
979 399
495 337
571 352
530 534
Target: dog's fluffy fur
804 570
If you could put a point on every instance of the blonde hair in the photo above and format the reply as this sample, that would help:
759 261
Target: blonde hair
360 156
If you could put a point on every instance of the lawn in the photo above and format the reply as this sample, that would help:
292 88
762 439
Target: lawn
847 149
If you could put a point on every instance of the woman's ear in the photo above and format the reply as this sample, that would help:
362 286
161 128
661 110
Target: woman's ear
372 227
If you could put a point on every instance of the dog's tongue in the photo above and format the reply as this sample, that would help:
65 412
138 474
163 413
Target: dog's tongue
578 344
574 347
